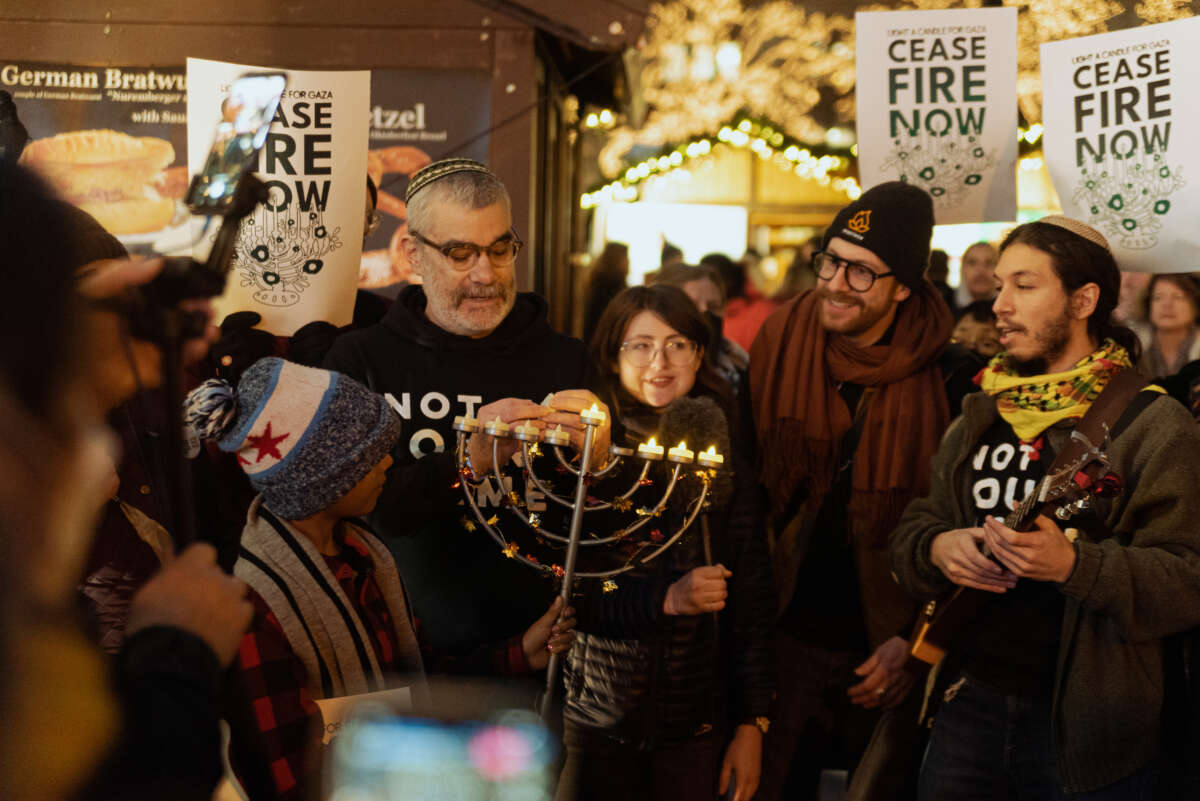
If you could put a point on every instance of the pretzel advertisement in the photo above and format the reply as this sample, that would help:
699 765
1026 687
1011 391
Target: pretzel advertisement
416 116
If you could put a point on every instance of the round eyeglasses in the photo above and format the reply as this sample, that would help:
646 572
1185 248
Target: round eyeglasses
859 277
679 352
461 255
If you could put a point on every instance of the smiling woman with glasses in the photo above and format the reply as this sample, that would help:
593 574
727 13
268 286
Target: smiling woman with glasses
649 674
502 253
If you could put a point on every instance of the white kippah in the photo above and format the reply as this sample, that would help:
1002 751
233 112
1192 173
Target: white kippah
1079 229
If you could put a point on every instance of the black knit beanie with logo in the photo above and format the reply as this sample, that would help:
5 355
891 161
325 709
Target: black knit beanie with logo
893 220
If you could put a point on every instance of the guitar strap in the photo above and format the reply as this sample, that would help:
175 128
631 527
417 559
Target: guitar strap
1108 416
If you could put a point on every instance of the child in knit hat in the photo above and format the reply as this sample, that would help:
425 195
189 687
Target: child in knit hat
331 614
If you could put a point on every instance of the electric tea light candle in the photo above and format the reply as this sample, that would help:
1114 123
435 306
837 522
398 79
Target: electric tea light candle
650 450
681 454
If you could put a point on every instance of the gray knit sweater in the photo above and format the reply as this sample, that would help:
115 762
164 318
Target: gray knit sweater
1132 586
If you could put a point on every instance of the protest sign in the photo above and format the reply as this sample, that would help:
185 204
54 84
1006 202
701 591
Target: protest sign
298 255
1120 140
937 107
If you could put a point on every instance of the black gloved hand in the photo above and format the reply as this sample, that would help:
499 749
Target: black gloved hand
311 342
240 345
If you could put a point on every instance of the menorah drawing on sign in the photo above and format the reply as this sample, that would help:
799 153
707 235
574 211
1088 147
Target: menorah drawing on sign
530 436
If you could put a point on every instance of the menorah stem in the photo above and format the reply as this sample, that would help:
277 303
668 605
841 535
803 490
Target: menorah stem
568 581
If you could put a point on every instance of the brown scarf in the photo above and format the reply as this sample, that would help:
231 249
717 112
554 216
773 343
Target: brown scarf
795 369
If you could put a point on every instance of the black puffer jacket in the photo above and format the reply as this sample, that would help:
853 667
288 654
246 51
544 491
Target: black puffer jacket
647 678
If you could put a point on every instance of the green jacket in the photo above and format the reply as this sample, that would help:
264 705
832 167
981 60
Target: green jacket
1136 581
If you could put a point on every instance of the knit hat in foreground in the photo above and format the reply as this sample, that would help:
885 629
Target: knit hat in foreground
303 436
893 220
439 170
1076 227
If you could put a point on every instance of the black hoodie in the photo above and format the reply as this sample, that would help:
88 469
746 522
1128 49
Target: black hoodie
462 587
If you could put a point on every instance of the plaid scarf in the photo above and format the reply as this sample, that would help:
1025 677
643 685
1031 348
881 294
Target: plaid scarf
1031 404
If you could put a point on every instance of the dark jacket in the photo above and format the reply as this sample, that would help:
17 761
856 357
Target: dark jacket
1136 581
461 586
166 683
647 678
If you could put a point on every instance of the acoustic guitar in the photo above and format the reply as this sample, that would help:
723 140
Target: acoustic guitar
1063 492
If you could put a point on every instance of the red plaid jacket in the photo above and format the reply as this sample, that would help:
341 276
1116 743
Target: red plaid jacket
276 723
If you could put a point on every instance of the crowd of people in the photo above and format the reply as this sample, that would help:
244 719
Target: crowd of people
879 429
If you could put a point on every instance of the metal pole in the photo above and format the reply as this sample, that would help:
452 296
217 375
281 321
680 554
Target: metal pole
569 564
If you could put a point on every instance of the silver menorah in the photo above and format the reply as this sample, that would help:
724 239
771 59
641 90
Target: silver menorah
531 437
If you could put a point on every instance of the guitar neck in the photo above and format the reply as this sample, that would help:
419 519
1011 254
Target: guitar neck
1021 517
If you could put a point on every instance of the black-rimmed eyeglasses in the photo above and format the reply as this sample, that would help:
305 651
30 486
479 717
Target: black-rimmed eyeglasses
859 277
461 255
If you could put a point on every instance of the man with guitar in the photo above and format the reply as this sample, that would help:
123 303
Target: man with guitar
1065 497
849 405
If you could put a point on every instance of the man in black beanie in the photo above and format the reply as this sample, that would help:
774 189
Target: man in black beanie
849 406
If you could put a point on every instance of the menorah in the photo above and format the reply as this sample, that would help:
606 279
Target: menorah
531 437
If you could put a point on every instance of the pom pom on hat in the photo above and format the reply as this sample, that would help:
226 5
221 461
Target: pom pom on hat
210 409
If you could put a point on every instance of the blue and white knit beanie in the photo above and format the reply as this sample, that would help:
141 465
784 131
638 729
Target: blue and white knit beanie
304 436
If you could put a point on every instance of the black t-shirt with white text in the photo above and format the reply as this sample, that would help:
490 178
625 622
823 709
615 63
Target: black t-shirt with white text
1012 645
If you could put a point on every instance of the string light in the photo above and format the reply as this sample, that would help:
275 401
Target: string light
763 139
604 118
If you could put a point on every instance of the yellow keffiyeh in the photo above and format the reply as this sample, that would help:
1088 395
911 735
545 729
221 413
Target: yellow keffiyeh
1031 404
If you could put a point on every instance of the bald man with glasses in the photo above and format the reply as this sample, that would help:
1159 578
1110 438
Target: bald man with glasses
464 342
849 406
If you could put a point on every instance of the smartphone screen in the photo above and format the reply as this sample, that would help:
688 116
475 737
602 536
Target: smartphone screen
386 758
246 116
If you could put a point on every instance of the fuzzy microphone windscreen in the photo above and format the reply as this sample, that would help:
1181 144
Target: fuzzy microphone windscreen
700 423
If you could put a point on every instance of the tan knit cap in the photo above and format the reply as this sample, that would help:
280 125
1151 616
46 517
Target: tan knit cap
1076 227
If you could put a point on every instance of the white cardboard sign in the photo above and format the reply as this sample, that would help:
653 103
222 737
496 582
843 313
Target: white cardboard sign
937 107
1120 139
297 259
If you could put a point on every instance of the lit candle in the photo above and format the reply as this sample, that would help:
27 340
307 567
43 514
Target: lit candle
681 454
556 436
467 425
497 428
650 450
527 432
592 416
710 457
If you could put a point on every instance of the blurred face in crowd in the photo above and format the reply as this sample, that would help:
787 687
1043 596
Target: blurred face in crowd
1039 323
657 364
469 290
845 309
1129 304
1171 309
705 294
980 336
978 267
